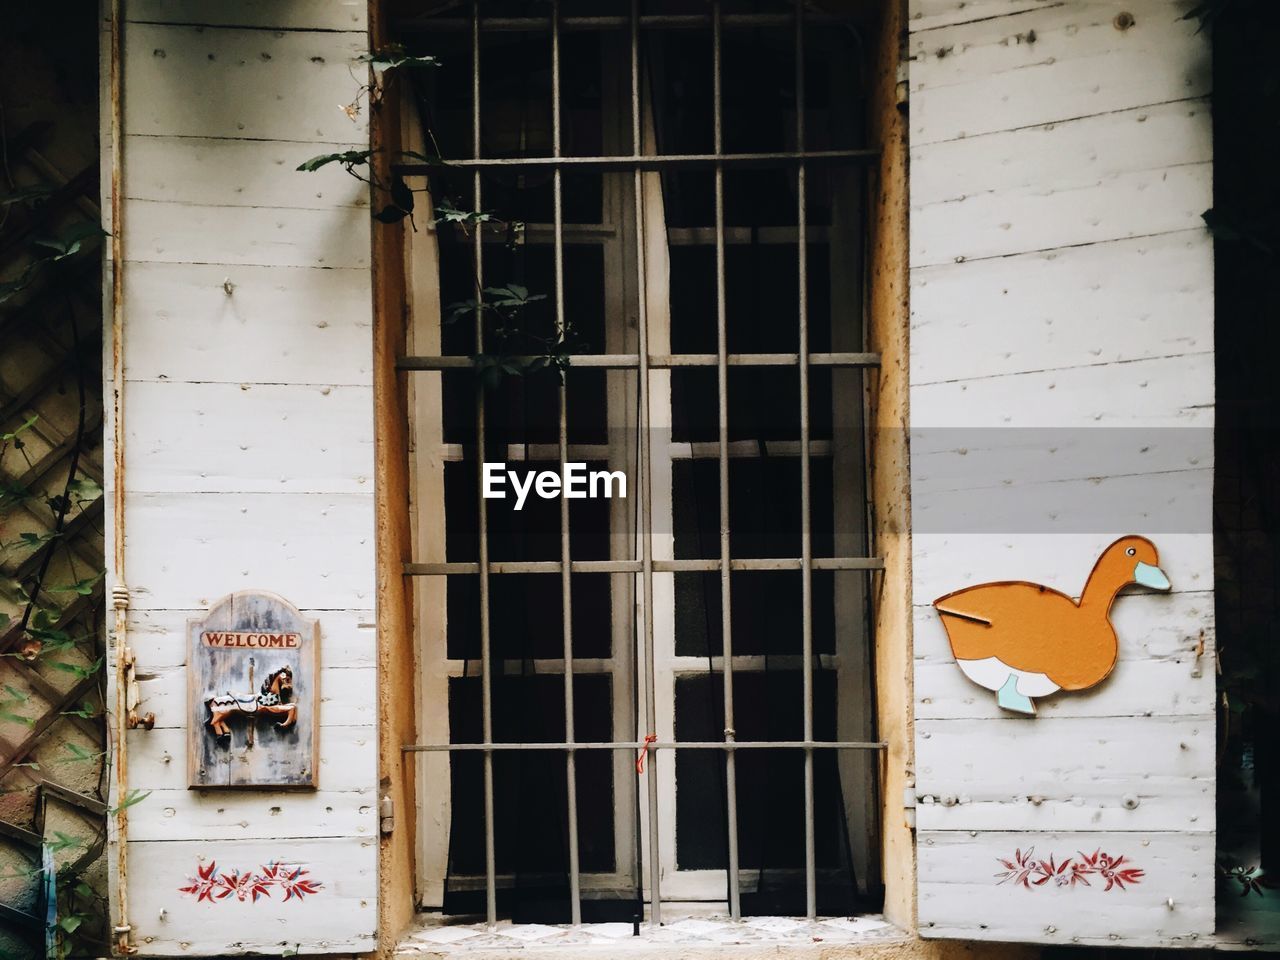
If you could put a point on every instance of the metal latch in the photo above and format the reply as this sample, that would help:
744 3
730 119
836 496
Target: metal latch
133 697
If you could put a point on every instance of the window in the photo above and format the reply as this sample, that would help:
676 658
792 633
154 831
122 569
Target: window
652 264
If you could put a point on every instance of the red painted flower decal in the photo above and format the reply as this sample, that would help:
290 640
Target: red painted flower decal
202 885
1019 869
214 887
1026 871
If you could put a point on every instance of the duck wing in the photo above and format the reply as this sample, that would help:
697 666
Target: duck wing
1013 621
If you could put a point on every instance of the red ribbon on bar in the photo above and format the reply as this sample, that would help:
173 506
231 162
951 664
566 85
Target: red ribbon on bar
649 738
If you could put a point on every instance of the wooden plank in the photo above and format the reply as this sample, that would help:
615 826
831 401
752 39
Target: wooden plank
340 917
1100 304
1070 155
242 84
950 459
1142 688
314 548
348 696
1155 803
162 232
266 438
305 325
349 15
932 14
1128 205
238 173
202 815
1160 392
157 761
346 637
946 562
1154 775
1153 504
959 894
1150 629
990 76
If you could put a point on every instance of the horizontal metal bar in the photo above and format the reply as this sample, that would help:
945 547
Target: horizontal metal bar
427 24
781 158
634 566
642 745
752 449
589 234
630 361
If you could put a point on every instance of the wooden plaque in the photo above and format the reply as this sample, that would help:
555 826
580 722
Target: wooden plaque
253 694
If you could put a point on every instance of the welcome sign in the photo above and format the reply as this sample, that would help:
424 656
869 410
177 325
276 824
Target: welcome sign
253 694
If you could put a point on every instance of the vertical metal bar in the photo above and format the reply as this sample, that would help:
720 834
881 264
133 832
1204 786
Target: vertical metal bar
806 540
566 592
646 479
722 387
486 696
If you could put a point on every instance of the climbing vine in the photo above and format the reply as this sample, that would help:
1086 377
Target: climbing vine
512 348
50 597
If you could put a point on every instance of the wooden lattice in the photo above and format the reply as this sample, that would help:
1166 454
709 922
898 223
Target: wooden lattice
52 733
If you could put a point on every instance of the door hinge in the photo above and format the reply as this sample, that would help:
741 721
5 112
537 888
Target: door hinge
387 815
909 804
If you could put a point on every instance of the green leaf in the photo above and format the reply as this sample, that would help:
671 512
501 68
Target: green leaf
393 56
348 158
454 312
79 752
85 489
390 214
23 428
71 923
446 212
77 669
86 712
17 717
130 798
82 587
63 841
401 195
17 695
71 242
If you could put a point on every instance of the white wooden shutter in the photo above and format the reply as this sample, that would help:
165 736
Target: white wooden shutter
248 449
1062 396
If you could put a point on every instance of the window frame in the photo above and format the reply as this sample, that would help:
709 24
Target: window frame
655 387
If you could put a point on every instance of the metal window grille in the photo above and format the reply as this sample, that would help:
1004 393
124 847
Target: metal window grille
645 566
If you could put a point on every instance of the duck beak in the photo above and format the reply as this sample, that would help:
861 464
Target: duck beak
1149 576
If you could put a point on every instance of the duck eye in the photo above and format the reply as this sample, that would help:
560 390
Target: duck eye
1131 551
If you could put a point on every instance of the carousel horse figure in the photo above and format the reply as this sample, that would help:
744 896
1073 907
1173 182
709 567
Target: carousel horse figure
273 700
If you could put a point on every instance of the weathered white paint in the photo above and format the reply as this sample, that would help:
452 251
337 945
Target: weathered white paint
321 923
248 448
250 438
1062 308
296 14
305 325
959 896
242 84
1062 391
346 637
238 173
989 75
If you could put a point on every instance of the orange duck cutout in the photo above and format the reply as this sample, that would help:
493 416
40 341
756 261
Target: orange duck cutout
1023 640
